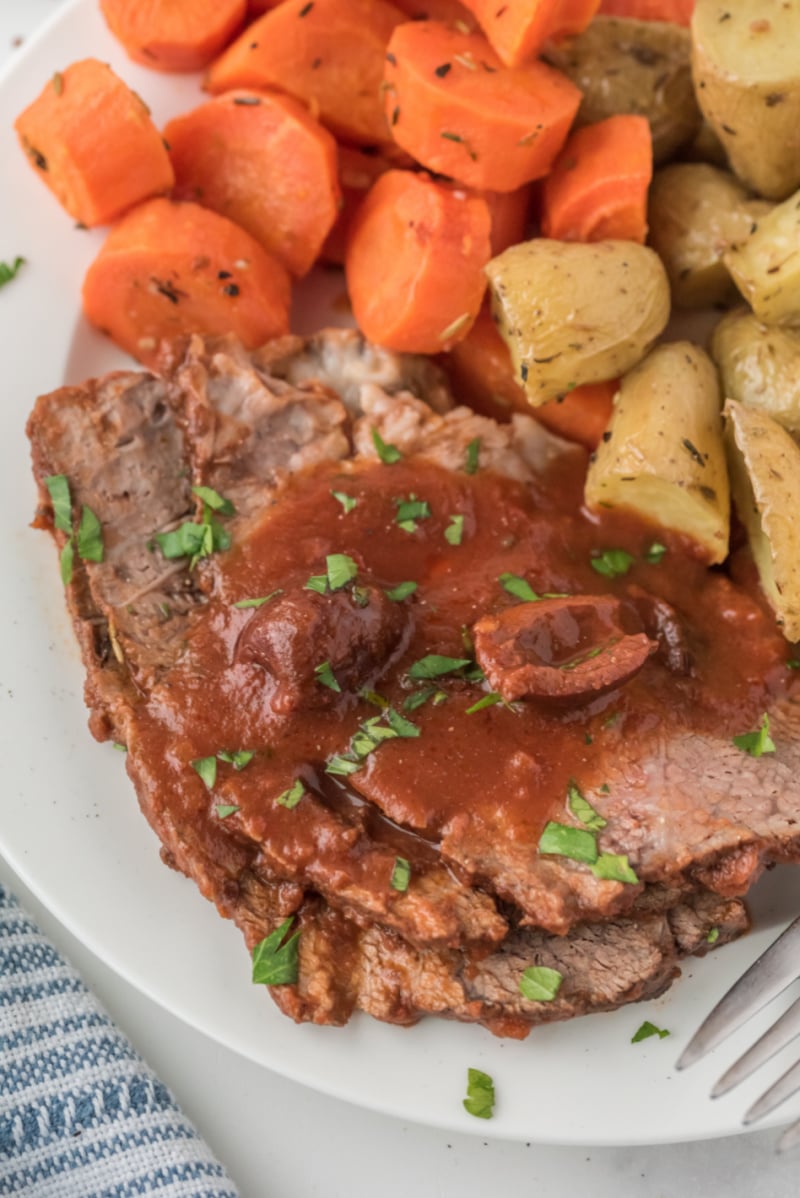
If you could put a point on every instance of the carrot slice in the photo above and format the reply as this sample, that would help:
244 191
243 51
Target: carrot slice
679 12
262 161
481 375
509 212
174 35
168 269
358 170
91 140
517 29
453 105
415 262
327 53
598 186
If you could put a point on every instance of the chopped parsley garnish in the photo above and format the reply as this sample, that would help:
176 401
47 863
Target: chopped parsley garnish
612 868
713 936
647 1030
480 1094
583 810
402 591
120 748
226 809
455 530
276 963
756 743
374 698
420 698
565 841
540 983
389 454
654 553
341 570
400 726
325 676
89 539
245 603
319 583
348 502
370 735
490 700
612 563
793 663
213 499
291 797
342 766
238 760
7 273
206 767
518 587
58 489
401 874
473 455
410 511
434 665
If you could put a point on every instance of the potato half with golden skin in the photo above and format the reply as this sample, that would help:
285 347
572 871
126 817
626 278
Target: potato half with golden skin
662 455
697 212
765 478
573 313
759 366
643 67
746 67
766 266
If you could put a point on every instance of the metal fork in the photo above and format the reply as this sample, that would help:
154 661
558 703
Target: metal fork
766 978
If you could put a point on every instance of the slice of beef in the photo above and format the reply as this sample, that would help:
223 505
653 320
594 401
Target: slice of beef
746 820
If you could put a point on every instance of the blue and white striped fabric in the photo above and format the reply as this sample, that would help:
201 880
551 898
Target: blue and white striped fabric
81 1115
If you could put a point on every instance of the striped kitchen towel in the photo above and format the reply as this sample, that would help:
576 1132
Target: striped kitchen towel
81 1115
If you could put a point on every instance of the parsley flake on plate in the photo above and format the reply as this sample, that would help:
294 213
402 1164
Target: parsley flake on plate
480 1098
7 273
647 1030
612 563
275 961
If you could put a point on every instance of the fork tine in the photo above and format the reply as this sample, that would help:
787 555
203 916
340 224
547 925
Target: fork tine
774 1039
784 1088
774 970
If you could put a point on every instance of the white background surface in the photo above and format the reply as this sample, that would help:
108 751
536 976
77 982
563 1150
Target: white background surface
279 1139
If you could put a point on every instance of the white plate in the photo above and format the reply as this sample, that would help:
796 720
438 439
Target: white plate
70 824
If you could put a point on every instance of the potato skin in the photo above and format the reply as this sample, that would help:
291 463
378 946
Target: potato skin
696 213
747 80
765 478
759 366
662 455
573 313
623 65
766 265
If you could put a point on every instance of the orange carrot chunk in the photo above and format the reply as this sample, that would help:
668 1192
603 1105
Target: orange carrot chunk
481 375
509 211
168 269
91 140
415 260
438 10
598 186
174 35
262 161
358 171
453 105
517 29
327 53
679 12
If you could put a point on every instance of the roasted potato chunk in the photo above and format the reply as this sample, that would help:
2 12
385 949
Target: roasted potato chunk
644 67
696 213
766 266
759 366
573 313
746 66
662 455
765 478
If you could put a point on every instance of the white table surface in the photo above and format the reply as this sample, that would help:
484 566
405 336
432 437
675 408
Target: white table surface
280 1139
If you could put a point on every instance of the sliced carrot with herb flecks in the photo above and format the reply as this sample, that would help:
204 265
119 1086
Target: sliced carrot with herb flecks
481 375
174 35
517 29
168 269
327 53
439 10
92 141
261 160
455 108
678 12
510 213
415 260
357 171
597 189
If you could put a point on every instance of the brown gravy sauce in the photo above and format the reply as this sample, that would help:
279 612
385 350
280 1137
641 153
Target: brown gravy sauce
503 772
